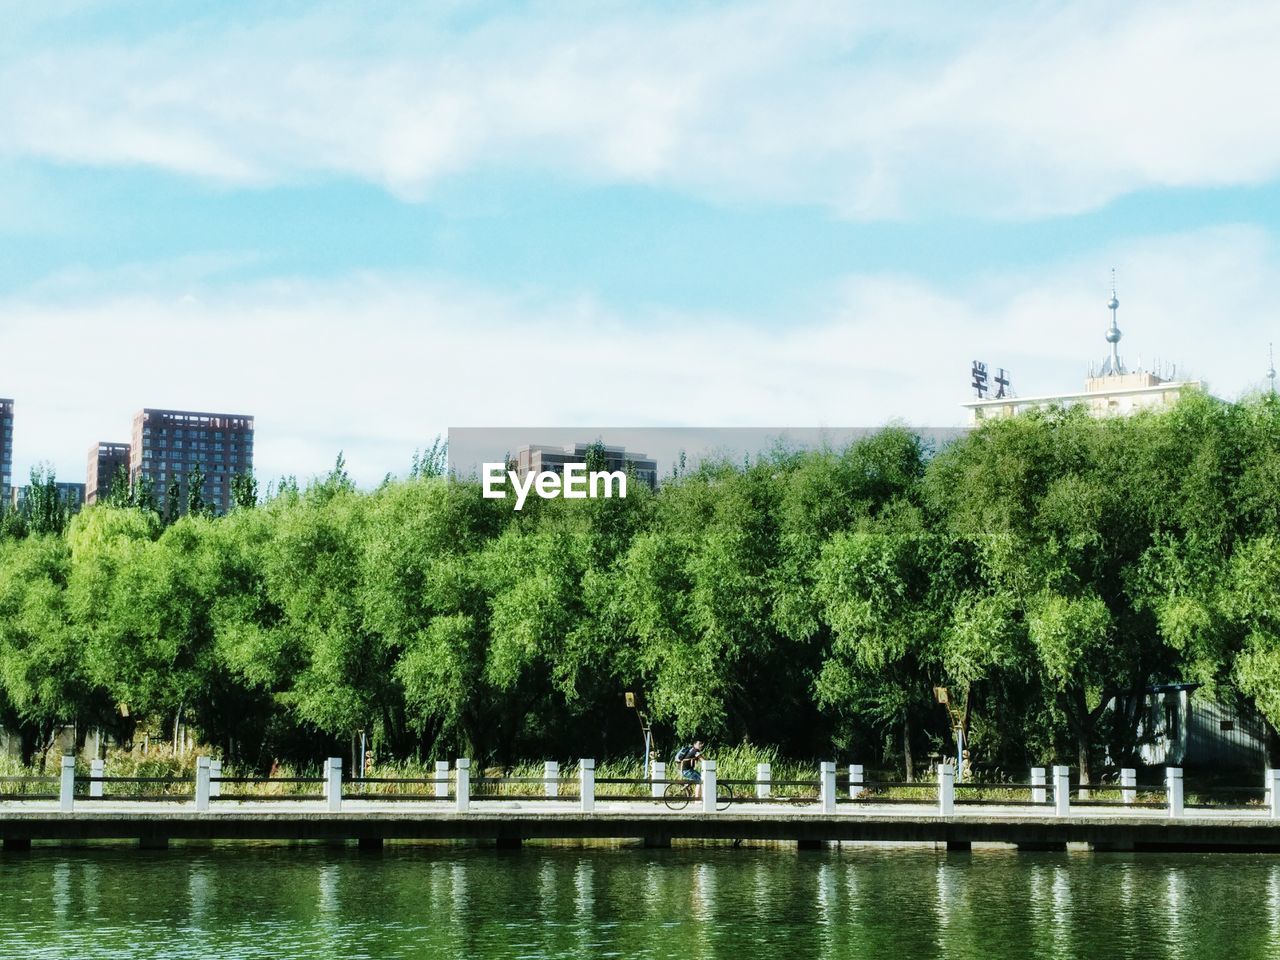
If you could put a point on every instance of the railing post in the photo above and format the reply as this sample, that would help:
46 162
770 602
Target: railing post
946 789
1062 791
708 786
462 784
1038 793
441 778
67 785
215 778
551 778
659 772
202 784
827 786
1128 779
855 781
333 784
587 784
764 780
97 770
1273 783
1173 785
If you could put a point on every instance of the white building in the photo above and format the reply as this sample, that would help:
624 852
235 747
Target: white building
1111 388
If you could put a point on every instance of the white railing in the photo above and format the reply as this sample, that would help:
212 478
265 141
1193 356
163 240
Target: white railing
583 790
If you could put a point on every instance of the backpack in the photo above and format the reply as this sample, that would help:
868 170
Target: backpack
684 753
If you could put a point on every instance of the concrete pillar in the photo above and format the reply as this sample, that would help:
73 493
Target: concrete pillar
855 781
202 784
441 777
1273 783
1128 778
764 780
708 786
946 789
551 778
97 770
1038 793
827 786
67 785
462 784
1266 779
587 784
659 769
333 784
1173 785
215 778
1062 791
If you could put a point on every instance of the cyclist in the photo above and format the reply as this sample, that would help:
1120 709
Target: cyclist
689 757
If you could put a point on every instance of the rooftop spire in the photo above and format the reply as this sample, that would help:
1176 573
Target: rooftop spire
1112 366
1271 368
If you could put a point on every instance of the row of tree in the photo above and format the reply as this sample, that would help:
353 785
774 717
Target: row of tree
1046 570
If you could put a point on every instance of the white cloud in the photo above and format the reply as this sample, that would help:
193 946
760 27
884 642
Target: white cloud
1018 111
377 365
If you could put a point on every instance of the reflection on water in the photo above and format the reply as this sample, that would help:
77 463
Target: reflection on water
444 901
1273 900
1176 897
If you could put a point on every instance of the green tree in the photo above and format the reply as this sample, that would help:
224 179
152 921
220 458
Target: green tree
244 490
196 504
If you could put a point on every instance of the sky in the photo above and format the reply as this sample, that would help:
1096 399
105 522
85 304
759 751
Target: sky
367 223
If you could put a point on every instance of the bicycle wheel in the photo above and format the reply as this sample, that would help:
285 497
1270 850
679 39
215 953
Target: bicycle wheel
678 795
724 796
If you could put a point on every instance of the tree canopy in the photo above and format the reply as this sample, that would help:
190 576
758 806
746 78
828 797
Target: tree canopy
1047 569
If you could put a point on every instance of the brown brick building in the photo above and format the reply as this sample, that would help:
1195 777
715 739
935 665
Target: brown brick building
105 458
168 446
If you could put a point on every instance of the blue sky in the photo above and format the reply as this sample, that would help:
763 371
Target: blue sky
366 223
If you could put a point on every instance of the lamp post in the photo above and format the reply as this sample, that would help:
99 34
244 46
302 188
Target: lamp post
634 702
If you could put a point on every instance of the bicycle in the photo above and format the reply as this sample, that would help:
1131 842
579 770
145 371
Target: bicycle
680 793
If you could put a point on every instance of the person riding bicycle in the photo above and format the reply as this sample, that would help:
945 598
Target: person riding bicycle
689 757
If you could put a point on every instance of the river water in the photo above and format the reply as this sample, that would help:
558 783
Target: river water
699 902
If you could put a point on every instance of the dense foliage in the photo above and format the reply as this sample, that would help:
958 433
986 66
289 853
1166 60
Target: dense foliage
1047 570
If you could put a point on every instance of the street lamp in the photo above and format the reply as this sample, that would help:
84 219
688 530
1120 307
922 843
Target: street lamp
636 703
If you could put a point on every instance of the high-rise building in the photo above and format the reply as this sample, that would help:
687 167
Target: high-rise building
170 446
6 444
105 461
